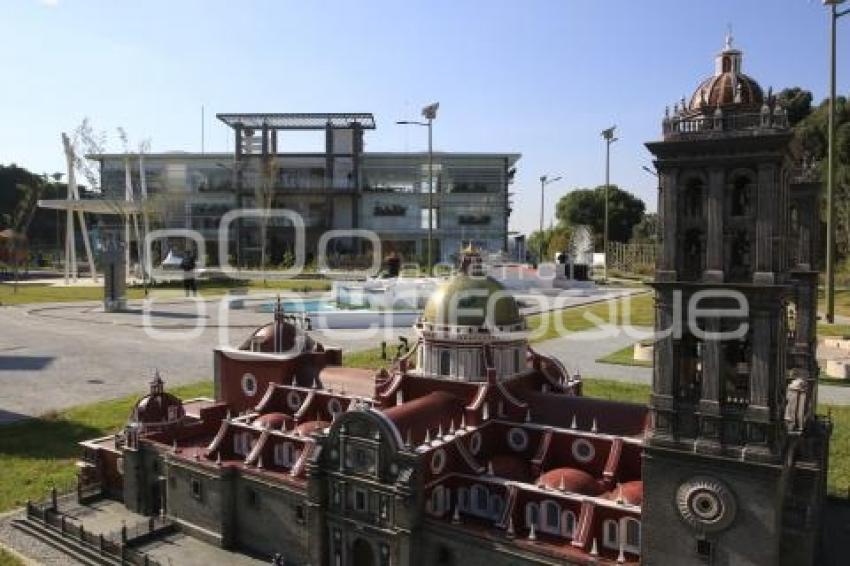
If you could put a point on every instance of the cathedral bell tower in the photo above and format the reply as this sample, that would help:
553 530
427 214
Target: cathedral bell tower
720 451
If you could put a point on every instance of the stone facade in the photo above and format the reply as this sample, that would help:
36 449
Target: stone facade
735 453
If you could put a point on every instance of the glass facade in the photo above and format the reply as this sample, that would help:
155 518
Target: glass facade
383 192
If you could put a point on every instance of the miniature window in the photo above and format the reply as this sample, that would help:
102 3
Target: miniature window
197 489
359 500
532 514
285 454
517 439
610 534
551 518
173 413
632 533
568 524
293 400
438 461
704 548
445 362
475 443
300 514
463 498
249 384
497 506
583 450
480 499
334 407
438 500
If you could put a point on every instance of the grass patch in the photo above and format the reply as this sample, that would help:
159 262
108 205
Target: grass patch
8 559
38 454
637 310
624 357
616 390
842 301
28 293
825 329
368 359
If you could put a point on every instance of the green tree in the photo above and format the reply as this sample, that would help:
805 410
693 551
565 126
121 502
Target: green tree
812 133
797 102
587 206
646 231
559 241
533 244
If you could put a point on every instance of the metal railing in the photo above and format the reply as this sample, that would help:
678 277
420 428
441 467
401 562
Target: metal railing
117 545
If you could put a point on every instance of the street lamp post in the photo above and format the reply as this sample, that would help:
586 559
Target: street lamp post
830 175
608 136
544 180
430 114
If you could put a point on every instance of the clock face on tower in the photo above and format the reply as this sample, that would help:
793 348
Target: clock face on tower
706 504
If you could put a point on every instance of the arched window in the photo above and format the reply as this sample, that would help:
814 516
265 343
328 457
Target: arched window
532 514
693 198
440 498
551 518
631 528
693 256
480 500
242 443
285 454
445 362
497 506
611 534
568 524
741 196
463 498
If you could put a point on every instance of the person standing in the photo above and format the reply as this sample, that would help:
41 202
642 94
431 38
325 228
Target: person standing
189 282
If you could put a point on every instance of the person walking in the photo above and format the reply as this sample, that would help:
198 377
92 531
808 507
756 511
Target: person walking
190 284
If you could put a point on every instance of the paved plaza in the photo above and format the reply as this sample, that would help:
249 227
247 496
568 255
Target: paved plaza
54 356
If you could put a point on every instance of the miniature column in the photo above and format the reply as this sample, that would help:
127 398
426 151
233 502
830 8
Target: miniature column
763 272
714 243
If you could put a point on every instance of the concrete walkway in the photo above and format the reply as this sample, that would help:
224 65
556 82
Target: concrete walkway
59 355
580 350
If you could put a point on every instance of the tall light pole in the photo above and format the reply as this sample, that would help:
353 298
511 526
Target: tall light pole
608 136
430 114
830 165
544 180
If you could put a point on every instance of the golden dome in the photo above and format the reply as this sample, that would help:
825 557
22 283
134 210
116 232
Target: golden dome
463 300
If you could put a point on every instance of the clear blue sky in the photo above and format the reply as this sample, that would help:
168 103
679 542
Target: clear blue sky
540 78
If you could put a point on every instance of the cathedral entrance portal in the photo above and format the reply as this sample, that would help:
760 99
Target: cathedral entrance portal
362 554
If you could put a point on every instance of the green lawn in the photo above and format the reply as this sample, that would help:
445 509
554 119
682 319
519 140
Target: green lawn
41 293
7 559
624 357
638 310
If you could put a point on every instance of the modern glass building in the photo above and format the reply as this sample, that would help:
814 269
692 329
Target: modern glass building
341 188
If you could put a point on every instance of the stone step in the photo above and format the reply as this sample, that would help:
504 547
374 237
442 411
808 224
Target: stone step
68 545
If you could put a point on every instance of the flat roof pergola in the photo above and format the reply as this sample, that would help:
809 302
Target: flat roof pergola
299 120
93 206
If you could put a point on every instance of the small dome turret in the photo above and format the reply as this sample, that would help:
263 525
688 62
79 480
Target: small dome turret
157 409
